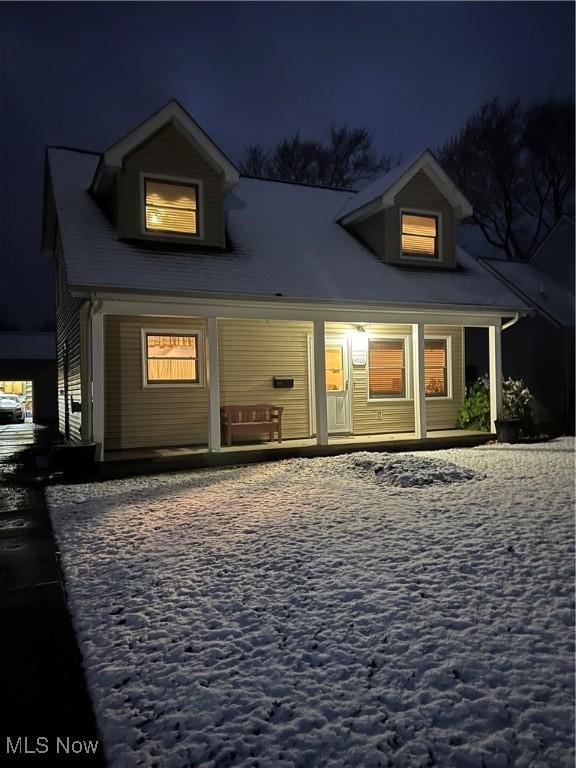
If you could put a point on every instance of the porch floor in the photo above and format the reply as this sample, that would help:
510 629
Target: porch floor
146 460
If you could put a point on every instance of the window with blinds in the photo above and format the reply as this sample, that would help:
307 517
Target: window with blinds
419 235
172 358
171 207
386 368
436 367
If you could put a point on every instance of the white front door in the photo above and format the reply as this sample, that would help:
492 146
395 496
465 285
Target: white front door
337 385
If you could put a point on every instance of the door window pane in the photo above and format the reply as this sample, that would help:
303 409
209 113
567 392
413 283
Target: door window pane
334 369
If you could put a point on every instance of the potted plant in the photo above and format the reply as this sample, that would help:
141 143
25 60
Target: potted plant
516 402
515 413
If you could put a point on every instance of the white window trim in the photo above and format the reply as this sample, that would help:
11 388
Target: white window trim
423 259
448 339
199 207
408 397
199 332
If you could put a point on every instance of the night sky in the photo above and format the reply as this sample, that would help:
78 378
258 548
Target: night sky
82 75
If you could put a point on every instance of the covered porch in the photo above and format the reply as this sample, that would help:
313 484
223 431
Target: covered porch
337 391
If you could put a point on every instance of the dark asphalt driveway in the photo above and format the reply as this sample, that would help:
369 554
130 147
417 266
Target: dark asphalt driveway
41 677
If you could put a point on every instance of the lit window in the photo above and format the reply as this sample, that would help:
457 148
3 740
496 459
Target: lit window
172 358
334 369
419 235
436 368
386 368
171 207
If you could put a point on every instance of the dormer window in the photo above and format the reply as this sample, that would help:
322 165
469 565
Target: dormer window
172 207
420 235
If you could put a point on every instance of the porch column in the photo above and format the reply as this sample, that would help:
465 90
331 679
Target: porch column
320 382
495 366
214 434
419 381
97 338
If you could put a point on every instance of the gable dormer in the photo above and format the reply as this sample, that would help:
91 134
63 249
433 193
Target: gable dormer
165 182
408 216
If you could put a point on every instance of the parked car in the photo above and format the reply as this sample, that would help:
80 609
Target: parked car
12 409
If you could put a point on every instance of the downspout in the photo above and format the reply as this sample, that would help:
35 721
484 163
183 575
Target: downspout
93 306
89 435
512 322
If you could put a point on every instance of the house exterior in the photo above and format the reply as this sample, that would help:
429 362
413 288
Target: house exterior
183 287
540 349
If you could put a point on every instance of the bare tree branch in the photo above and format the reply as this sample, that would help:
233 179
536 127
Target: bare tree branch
346 157
516 166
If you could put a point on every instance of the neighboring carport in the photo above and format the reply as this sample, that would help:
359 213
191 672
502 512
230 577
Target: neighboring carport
30 358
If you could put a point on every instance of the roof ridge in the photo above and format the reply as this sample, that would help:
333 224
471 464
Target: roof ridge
74 149
521 291
298 183
503 259
549 234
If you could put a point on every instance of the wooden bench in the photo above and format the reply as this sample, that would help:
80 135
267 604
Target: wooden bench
251 419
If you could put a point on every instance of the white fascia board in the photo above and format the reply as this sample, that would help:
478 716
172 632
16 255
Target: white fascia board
298 305
427 163
309 311
175 114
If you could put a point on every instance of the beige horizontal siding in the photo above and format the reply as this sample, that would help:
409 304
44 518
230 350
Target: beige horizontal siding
252 352
146 417
69 354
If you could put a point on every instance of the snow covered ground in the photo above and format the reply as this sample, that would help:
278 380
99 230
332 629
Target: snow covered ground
366 610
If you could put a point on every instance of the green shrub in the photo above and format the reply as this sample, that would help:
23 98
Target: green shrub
475 413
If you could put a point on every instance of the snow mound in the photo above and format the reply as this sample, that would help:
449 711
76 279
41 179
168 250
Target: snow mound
398 470
411 471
